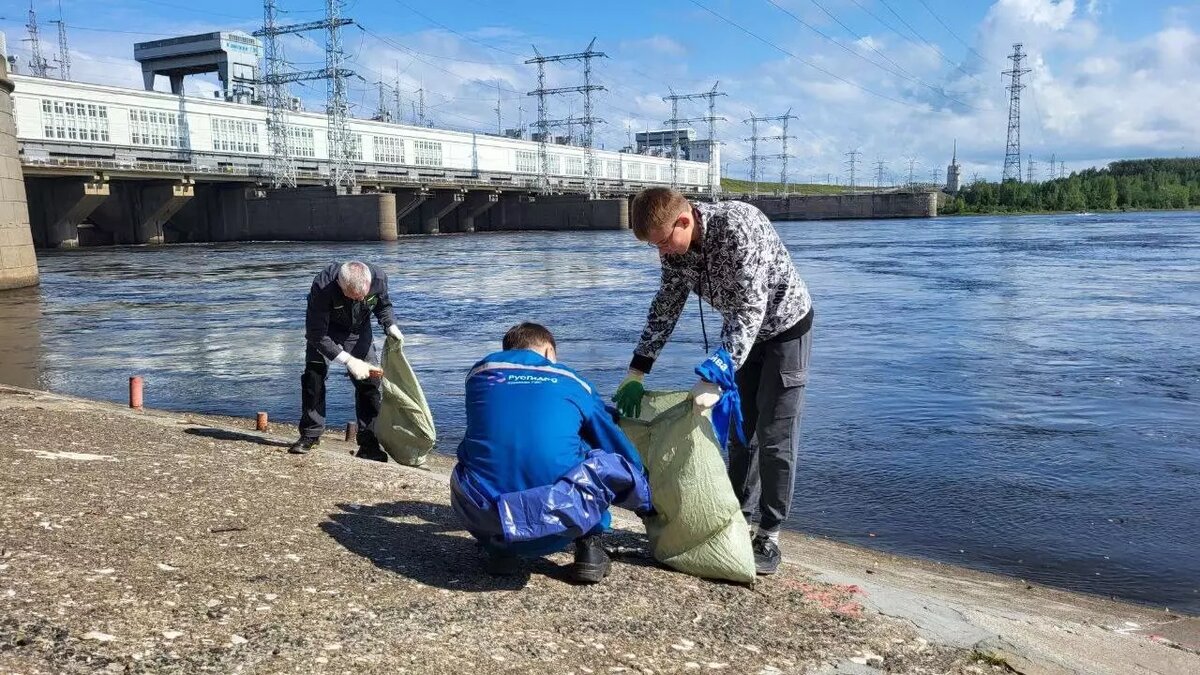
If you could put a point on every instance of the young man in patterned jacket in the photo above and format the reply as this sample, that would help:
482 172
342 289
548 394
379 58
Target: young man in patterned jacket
730 255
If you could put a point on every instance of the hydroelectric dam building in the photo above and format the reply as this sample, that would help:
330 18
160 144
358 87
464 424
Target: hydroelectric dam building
113 165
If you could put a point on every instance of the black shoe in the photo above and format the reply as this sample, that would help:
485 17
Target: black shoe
766 555
501 564
375 454
591 561
304 445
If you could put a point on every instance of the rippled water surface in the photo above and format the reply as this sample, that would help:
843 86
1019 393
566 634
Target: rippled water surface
1015 394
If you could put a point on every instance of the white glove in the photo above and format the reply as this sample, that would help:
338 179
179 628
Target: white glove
705 395
359 369
394 332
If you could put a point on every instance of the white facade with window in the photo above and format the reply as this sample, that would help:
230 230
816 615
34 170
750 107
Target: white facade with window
574 166
74 120
59 120
234 135
155 128
427 153
389 149
527 162
301 141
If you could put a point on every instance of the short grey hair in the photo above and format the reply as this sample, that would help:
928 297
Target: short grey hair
354 277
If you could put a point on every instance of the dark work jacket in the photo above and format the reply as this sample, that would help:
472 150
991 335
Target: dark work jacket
333 320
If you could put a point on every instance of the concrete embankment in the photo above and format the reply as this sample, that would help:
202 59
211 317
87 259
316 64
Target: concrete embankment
867 205
158 542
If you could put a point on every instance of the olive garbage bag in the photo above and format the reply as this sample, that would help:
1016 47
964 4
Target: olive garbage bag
405 424
698 528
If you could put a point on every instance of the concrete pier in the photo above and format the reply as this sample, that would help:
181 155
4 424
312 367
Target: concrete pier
478 203
57 207
442 205
236 212
558 212
18 262
138 212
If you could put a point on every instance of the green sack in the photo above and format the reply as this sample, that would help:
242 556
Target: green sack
699 528
405 424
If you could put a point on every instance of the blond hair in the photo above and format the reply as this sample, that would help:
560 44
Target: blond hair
655 208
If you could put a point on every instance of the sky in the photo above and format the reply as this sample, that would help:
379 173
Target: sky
897 81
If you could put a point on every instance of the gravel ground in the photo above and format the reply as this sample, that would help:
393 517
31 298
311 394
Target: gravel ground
152 542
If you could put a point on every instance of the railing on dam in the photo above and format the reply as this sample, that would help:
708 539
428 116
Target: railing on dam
212 167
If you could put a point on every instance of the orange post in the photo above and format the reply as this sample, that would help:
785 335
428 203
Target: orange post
135 392
260 421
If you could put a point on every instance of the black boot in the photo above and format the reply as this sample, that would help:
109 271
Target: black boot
766 555
371 451
368 446
591 561
304 445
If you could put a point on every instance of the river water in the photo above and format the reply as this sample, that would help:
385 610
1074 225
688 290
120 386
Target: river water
1018 394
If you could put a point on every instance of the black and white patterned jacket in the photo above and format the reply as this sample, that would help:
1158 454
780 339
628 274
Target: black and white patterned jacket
750 280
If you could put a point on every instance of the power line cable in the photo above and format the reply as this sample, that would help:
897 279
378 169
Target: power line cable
937 90
810 64
952 33
927 42
462 35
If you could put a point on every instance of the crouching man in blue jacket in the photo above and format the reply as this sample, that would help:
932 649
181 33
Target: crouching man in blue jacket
542 460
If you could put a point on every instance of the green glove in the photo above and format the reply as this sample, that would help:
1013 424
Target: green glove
629 395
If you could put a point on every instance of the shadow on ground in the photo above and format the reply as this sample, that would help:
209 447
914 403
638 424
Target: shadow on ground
223 435
424 542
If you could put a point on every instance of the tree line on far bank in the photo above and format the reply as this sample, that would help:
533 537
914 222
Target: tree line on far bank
1132 184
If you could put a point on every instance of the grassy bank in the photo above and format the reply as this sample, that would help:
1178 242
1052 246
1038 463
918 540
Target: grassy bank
738 186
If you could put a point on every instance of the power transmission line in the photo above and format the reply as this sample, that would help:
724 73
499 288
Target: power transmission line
783 155
38 66
499 116
383 111
880 165
279 164
754 156
64 51
852 162
1012 153
712 119
588 120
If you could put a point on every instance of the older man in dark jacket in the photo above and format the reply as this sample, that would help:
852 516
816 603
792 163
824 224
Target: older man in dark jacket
338 328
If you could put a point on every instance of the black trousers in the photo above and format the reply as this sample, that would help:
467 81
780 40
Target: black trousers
763 471
367 397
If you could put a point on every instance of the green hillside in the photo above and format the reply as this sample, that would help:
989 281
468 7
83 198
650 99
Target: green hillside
738 186
1127 184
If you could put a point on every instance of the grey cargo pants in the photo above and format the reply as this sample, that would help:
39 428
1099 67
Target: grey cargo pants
763 471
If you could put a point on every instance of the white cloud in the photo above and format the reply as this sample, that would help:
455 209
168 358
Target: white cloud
655 44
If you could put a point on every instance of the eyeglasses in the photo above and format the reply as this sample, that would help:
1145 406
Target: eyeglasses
666 239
